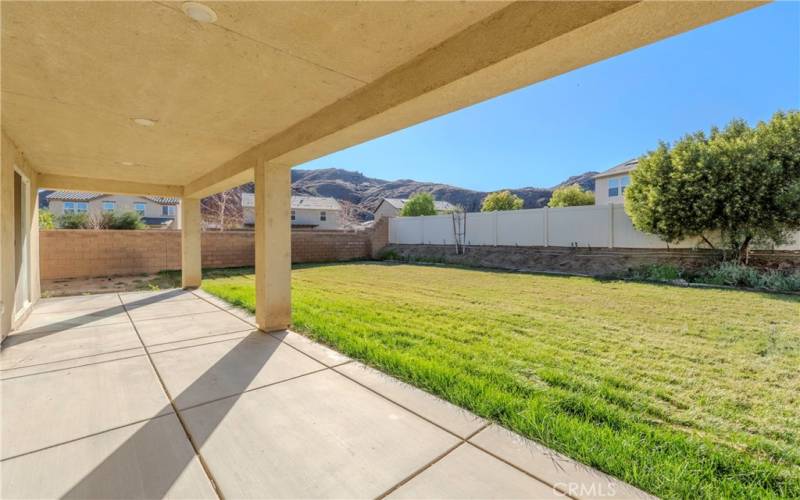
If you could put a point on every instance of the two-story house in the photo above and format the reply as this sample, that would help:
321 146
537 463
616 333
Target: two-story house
307 212
391 207
156 211
609 186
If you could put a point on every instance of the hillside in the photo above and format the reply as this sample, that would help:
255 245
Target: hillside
364 193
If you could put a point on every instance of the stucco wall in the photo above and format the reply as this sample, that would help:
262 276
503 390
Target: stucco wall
92 253
601 191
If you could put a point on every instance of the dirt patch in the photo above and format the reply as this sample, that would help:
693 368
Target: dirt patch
108 284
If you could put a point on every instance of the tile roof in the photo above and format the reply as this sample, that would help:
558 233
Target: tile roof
399 203
298 202
79 196
619 169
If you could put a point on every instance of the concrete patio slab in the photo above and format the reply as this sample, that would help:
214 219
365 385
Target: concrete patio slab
195 375
320 435
60 321
569 476
454 419
41 347
50 408
321 353
57 366
150 459
212 299
76 303
142 310
468 472
155 297
174 329
211 339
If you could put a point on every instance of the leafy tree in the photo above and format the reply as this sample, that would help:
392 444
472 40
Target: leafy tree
501 200
74 221
46 220
571 196
419 204
742 183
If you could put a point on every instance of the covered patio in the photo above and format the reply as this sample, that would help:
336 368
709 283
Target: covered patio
176 394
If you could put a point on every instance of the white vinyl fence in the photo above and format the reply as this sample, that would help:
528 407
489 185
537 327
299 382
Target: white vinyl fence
590 226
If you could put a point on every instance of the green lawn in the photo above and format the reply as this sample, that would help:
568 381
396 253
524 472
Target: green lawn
682 392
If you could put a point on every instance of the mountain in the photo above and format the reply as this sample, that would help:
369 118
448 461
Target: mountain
360 195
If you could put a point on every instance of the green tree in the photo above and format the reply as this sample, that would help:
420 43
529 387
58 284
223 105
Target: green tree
501 200
46 220
74 221
419 204
742 183
571 196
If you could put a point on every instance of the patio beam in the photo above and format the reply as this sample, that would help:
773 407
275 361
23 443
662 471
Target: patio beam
518 45
273 247
69 183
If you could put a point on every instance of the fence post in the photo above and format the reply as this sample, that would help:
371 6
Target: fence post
422 228
610 225
546 226
494 222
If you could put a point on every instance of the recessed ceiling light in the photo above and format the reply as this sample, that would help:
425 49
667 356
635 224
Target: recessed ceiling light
199 12
127 163
144 122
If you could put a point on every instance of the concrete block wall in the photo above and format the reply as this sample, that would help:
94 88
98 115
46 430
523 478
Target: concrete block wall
93 253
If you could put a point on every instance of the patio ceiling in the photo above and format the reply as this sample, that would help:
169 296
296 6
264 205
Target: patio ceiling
286 82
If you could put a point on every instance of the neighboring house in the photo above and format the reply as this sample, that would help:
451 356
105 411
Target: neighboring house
307 211
609 186
156 211
391 207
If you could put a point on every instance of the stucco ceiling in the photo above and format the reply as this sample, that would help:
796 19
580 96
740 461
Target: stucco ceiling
291 78
75 74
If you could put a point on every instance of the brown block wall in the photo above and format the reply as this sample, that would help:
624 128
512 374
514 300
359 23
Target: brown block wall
91 253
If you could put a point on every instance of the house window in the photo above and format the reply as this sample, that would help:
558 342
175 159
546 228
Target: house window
168 210
81 207
69 207
139 208
613 188
623 183
109 206
323 216
293 216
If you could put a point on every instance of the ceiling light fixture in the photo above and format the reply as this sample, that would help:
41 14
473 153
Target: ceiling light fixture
144 122
199 12
127 163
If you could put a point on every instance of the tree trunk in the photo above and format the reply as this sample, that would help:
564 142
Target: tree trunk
744 251
707 242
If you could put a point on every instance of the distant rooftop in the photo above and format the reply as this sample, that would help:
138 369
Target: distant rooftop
622 168
399 203
311 202
81 196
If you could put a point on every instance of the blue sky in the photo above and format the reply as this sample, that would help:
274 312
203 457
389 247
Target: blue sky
746 66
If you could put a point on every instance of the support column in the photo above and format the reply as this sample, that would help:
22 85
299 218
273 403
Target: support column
191 250
7 258
273 247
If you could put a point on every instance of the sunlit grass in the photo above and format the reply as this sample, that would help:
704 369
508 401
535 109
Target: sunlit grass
682 392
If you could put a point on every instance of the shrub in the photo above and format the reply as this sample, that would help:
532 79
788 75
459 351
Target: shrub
46 220
74 221
570 196
419 204
501 200
126 220
735 274
658 272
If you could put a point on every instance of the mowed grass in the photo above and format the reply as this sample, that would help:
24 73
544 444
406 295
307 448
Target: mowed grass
682 392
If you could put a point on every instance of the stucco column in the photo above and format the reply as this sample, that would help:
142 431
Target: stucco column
191 250
273 247
7 257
